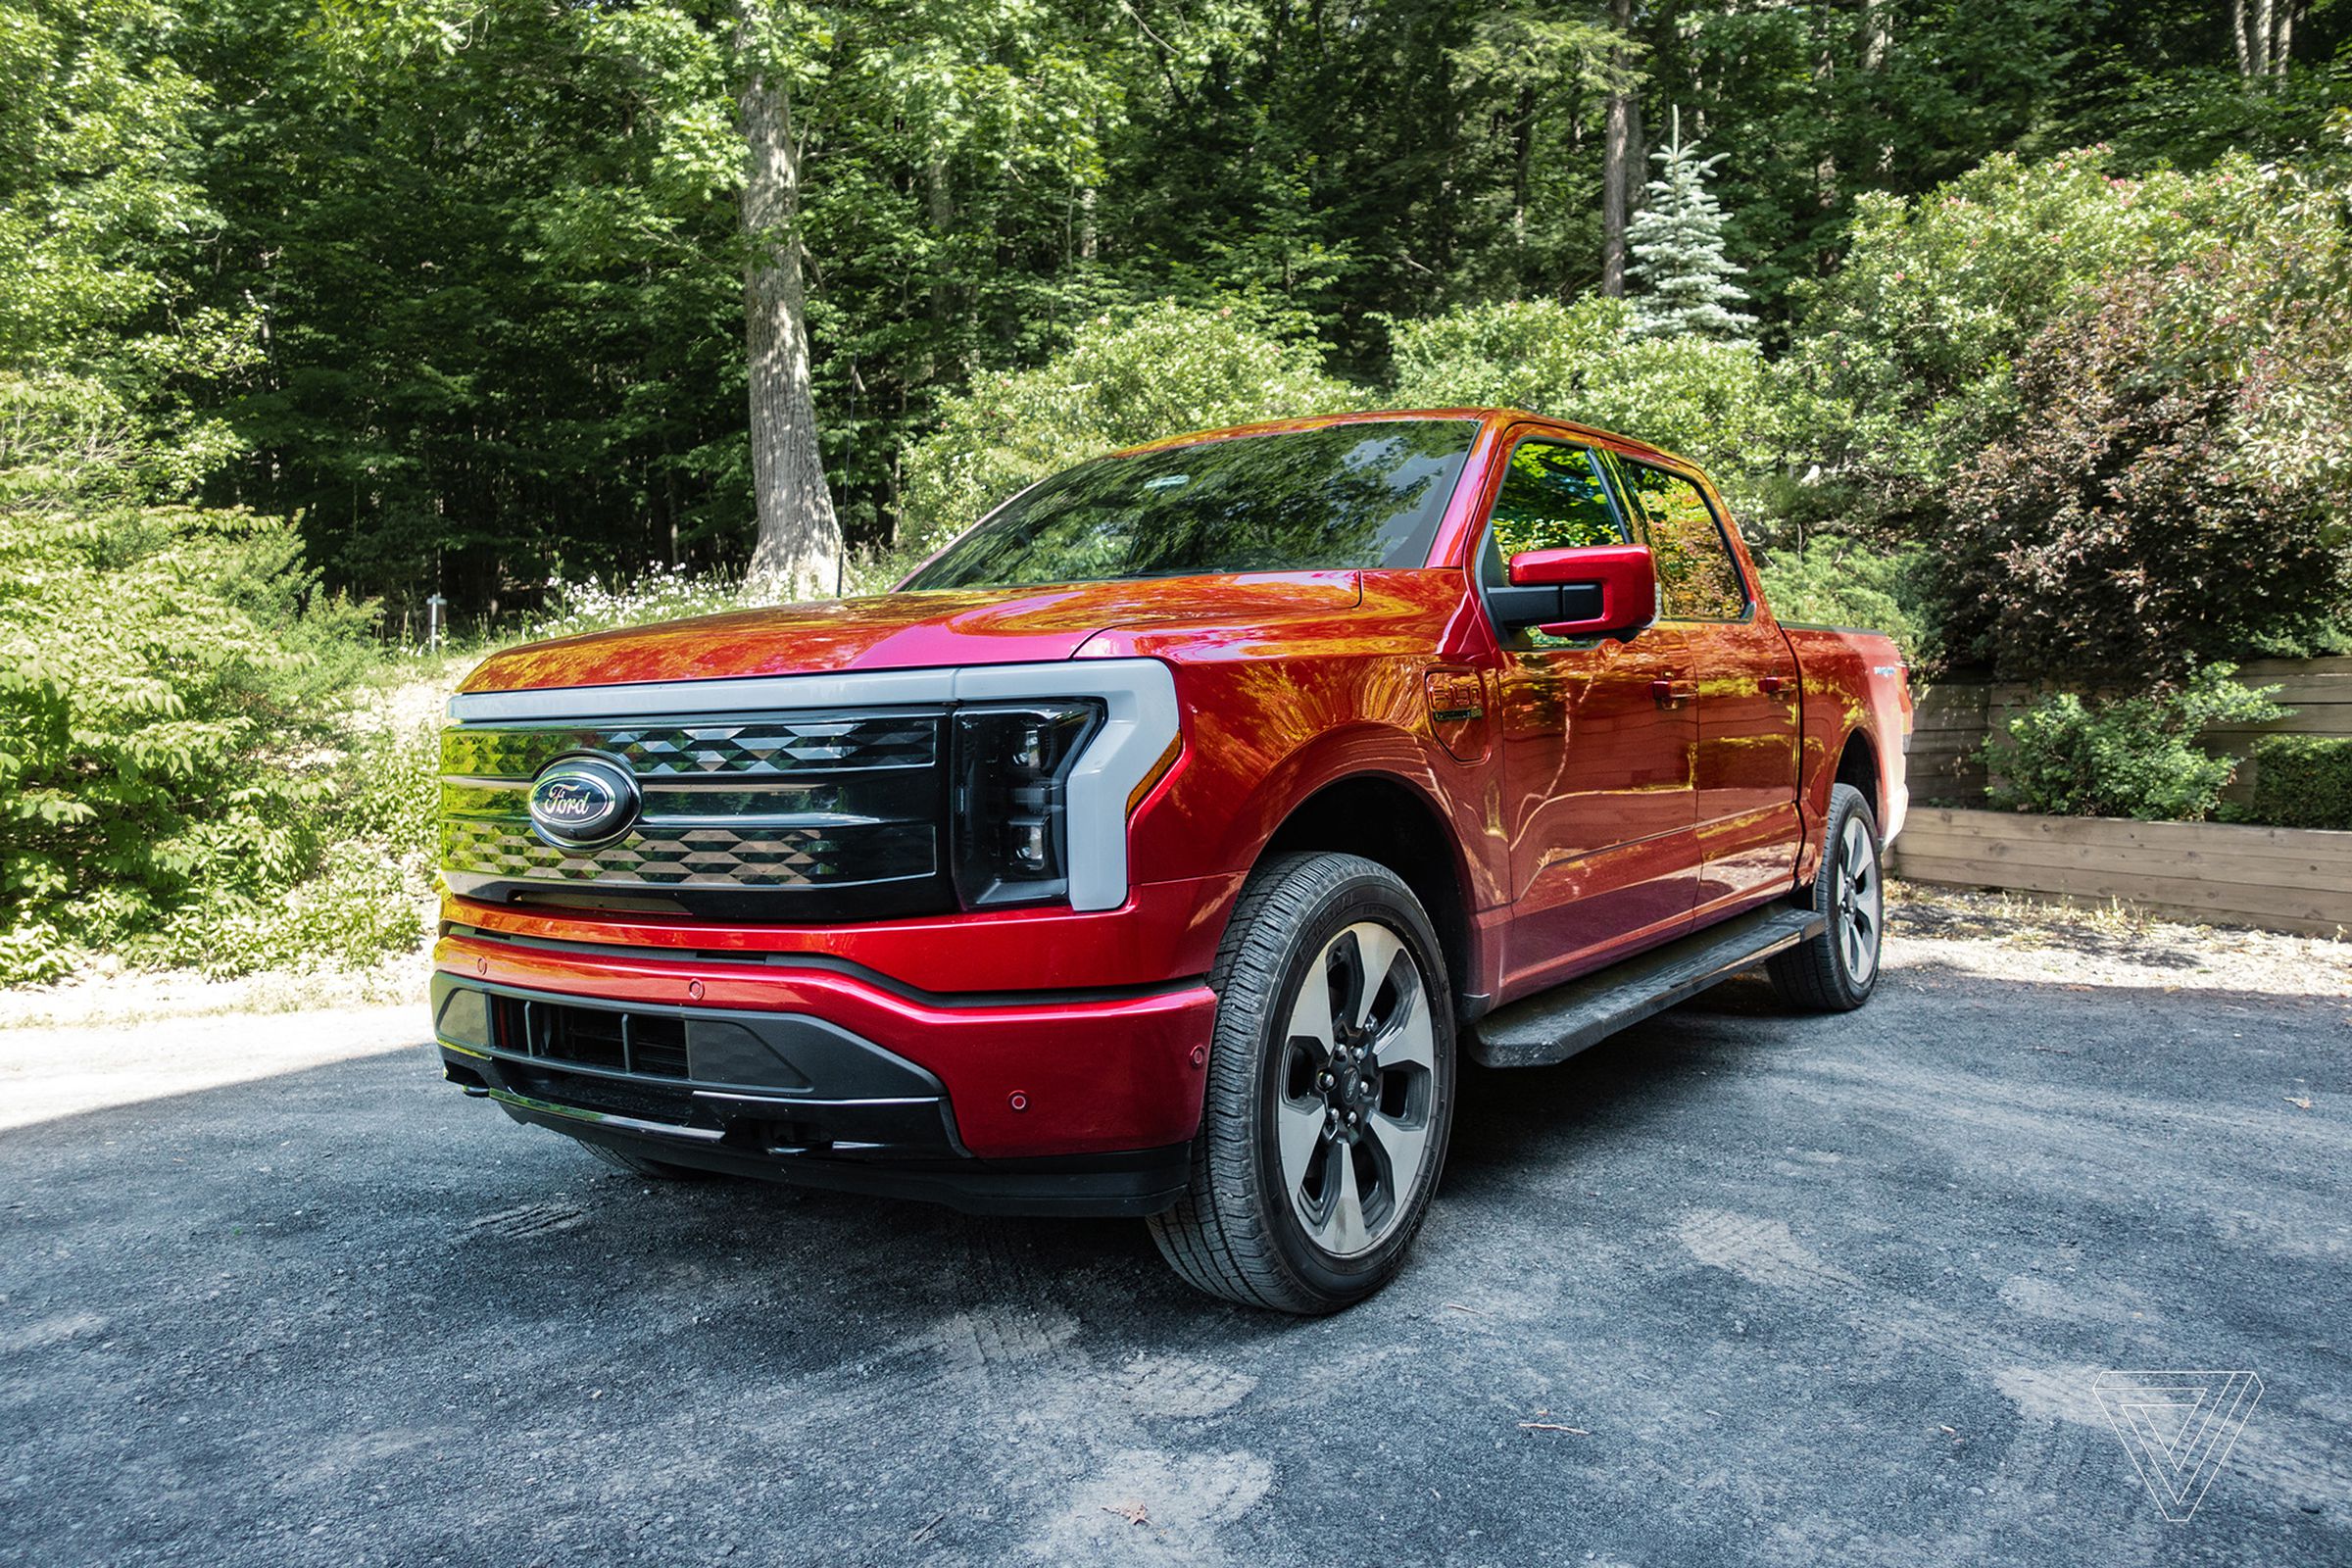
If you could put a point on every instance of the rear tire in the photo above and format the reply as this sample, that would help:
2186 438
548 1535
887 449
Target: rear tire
1838 970
1330 1094
660 1170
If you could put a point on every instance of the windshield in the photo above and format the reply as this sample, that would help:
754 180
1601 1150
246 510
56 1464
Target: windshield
1333 498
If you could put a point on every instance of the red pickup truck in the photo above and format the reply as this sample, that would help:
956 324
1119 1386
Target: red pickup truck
1164 844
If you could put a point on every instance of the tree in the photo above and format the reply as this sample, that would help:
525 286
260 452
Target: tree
1678 243
798 548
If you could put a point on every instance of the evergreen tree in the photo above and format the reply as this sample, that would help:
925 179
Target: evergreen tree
1676 242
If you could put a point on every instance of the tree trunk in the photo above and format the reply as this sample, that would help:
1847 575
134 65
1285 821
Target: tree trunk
799 549
2260 45
2286 38
2237 36
1878 34
1616 159
939 198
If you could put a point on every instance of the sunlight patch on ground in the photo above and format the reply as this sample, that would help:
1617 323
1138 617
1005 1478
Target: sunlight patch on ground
2005 937
48 1073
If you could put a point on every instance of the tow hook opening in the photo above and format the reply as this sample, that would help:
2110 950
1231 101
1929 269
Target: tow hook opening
466 1078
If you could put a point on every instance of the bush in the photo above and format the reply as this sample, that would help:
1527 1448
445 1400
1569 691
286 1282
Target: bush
168 685
574 609
1162 370
1718 404
2302 781
2115 409
1839 582
1911 345
2134 756
2132 527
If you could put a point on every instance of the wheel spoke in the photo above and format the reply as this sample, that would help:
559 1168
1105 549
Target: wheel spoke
1377 950
1299 1128
1398 1146
1408 1042
1310 1016
1342 1228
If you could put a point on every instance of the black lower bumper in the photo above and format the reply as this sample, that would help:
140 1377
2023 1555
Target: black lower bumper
777 1096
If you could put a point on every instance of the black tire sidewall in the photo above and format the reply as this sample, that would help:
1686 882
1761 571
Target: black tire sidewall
1382 900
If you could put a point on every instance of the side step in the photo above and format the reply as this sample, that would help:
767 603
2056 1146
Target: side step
1553 1025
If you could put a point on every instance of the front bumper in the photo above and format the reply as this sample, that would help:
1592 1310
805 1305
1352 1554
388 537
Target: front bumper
801 1070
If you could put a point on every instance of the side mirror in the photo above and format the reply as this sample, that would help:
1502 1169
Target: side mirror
1595 591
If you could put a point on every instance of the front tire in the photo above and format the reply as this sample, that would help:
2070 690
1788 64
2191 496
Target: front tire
1330 1094
1838 970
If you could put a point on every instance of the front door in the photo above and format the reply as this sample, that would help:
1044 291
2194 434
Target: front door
1748 826
1600 798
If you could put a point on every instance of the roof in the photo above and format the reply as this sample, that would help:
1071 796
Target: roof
1491 416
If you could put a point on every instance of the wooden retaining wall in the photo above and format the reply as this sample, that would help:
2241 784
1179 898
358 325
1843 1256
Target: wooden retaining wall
1954 718
2277 878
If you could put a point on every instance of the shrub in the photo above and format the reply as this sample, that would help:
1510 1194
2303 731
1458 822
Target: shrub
1718 404
2133 527
1162 370
2302 781
167 678
1912 344
576 607
2132 757
1840 583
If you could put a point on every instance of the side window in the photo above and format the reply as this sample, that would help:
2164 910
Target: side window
1696 575
1553 498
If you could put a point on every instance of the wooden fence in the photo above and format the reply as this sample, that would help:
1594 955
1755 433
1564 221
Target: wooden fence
2282 879
1946 761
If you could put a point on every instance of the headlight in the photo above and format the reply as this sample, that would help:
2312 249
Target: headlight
1012 807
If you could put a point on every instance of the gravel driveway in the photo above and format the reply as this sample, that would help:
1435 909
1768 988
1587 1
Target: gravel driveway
1738 1286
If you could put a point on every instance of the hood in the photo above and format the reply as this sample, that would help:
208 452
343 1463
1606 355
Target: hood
904 630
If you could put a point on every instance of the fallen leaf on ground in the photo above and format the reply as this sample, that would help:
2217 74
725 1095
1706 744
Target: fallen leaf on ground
1132 1512
2300 1104
1551 1426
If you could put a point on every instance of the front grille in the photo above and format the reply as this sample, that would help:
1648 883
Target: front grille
785 816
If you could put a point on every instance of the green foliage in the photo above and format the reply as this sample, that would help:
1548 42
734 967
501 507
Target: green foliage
1839 582
2302 781
2134 756
167 686
1160 371
1720 405
1911 346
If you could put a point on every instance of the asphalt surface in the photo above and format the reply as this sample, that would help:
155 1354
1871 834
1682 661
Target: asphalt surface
1805 1290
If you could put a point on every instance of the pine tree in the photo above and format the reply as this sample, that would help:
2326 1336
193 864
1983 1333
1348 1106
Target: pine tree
1676 242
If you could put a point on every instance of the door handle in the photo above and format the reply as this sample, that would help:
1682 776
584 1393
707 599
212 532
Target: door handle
1673 693
1772 685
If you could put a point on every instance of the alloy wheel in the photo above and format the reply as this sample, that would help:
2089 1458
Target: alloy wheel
1860 902
1355 1089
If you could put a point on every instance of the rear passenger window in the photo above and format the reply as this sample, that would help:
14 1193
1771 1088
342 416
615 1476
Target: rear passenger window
1553 498
1696 575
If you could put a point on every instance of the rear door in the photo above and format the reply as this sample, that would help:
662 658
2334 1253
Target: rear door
1598 739
1747 763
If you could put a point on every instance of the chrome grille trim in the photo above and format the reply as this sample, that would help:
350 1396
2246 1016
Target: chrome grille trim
761 803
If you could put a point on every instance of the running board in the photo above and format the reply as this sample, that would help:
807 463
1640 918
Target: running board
1553 1025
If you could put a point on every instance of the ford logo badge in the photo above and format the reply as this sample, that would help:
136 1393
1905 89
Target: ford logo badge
578 802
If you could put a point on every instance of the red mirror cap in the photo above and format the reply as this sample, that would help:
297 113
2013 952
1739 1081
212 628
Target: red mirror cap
1626 575
1546 568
